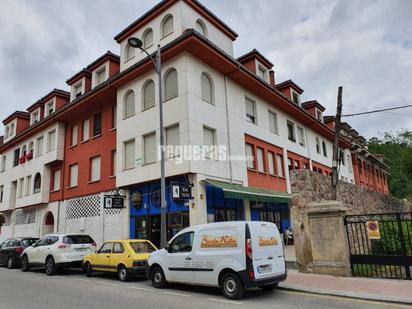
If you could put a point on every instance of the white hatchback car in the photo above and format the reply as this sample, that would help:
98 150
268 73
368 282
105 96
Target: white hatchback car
56 251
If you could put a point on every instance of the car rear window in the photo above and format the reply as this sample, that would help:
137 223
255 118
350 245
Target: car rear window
28 242
142 247
78 239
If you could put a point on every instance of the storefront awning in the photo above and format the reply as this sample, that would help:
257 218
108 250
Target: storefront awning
248 193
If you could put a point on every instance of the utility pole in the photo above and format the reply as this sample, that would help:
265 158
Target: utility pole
335 158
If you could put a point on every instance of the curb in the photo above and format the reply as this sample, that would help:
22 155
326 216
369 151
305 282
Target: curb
346 294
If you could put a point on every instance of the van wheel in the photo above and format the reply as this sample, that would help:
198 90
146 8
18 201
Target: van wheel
231 286
25 266
123 273
269 287
158 278
89 269
10 264
50 266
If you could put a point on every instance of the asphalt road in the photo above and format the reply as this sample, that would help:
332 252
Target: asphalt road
72 289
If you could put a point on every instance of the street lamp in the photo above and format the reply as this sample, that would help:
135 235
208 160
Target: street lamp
136 43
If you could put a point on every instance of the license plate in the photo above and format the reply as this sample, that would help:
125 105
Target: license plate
81 249
264 269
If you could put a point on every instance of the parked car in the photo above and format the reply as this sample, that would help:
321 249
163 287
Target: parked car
126 257
229 255
57 251
11 249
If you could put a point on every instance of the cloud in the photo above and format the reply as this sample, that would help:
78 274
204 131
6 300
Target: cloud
365 46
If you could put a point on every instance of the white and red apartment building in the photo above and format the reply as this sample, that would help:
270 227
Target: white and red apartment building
107 132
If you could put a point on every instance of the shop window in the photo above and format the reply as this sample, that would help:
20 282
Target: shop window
177 222
228 214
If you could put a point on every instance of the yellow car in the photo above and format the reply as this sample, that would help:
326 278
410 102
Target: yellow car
126 257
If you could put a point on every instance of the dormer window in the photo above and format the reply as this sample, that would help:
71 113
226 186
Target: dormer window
101 75
319 115
261 72
6 134
295 97
49 108
35 117
77 90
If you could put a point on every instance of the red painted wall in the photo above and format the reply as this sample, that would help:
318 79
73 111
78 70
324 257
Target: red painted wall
320 168
265 180
22 124
303 162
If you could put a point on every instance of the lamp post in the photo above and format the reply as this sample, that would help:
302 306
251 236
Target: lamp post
136 43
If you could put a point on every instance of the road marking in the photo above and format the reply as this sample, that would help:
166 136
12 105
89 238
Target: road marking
107 283
142 289
80 279
226 301
178 294
372 302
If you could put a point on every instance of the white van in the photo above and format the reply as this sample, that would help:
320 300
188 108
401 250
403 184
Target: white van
230 255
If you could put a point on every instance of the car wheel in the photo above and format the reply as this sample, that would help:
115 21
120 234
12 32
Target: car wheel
123 273
158 278
231 286
269 287
25 266
50 266
89 269
10 264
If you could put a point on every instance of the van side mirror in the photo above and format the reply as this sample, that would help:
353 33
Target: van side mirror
34 245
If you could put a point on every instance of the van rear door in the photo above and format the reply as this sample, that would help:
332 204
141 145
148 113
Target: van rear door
267 250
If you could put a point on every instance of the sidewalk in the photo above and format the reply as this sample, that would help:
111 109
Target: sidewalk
365 288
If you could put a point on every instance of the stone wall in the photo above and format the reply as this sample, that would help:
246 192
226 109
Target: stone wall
310 187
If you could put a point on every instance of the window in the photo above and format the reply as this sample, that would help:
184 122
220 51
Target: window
77 90
148 95
129 52
260 163
118 248
101 76
24 151
39 146
279 163
31 148
167 26
201 27
250 156
114 116
51 141
85 131
349 163
295 97
297 165
129 106
12 129
250 110
182 243
74 135
271 165
301 136
21 187
6 134
173 140
106 248
37 183
291 131
148 38
97 124
342 157
113 163
261 72
1 193
129 155
171 85
3 163
35 119
206 88
319 115
73 174
56 180
28 185
16 157
49 108
317 145
149 144
325 152
273 122
209 142
95 164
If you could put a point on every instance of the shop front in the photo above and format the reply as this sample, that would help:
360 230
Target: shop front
145 217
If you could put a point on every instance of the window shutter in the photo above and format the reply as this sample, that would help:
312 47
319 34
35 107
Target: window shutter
149 95
56 180
39 150
51 141
129 52
172 136
95 169
129 157
206 88
74 135
279 162
271 163
74 169
171 87
208 137
129 108
148 39
259 153
150 148
86 133
168 26
249 154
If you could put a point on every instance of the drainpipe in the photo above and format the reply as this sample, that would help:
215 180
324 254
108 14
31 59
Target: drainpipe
228 132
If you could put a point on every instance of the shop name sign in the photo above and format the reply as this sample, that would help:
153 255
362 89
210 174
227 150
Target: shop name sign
182 192
113 201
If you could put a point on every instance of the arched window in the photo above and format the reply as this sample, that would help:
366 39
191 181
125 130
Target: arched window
147 38
129 105
12 129
167 25
129 52
171 86
6 134
206 88
3 163
148 92
31 146
37 183
201 27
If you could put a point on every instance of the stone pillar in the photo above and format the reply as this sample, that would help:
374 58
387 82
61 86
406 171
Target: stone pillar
198 207
328 239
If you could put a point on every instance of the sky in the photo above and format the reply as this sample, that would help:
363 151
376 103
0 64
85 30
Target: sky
363 45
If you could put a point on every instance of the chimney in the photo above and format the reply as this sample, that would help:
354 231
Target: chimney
272 78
